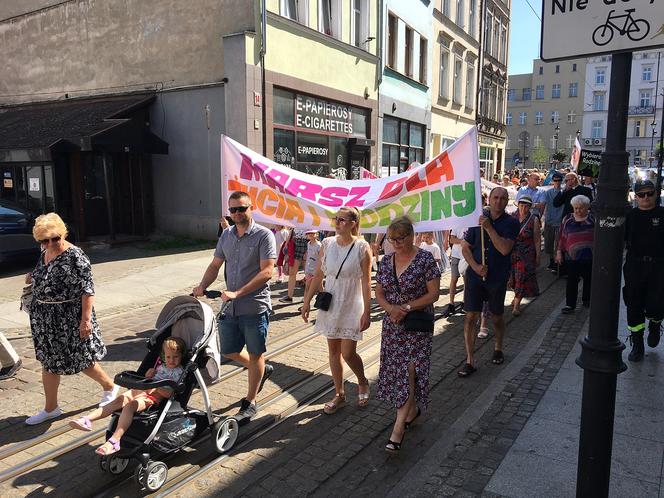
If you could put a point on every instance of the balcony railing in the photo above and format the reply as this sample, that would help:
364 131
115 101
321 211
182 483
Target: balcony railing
636 110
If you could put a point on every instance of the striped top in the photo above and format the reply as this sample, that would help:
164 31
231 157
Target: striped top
577 238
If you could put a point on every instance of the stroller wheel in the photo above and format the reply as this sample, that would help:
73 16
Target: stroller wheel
224 434
153 476
113 464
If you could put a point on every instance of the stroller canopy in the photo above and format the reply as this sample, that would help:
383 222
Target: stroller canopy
192 321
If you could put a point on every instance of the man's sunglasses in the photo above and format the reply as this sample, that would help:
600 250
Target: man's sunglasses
238 209
650 193
52 239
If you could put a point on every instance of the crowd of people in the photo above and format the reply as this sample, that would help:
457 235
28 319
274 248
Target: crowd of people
503 251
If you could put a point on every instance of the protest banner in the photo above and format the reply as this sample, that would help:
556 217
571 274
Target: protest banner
444 193
589 162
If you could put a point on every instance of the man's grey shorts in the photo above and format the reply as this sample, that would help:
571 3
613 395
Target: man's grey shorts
454 265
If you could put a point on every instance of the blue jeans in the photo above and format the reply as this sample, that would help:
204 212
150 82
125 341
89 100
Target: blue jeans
249 330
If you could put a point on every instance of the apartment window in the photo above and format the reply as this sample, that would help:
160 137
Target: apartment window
409 52
525 94
522 118
539 92
539 117
571 117
554 142
392 26
574 67
600 76
598 101
646 73
508 119
458 76
459 13
443 91
570 141
488 34
541 70
557 68
496 36
295 10
508 143
329 17
555 117
501 103
470 85
644 98
445 8
472 6
503 44
538 141
637 128
555 91
423 60
597 129
359 27
511 94
573 89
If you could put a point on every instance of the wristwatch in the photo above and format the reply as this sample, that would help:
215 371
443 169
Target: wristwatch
408 307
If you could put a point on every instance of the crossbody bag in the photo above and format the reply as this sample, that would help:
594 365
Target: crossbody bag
324 299
416 320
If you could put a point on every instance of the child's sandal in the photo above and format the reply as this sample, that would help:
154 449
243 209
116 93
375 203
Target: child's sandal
115 447
82 424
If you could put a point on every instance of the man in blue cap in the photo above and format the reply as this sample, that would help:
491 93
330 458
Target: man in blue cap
644 269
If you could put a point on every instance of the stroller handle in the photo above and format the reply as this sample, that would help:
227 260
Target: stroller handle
132 380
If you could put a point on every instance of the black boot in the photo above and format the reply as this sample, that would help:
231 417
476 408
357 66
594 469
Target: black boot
654 333
636 354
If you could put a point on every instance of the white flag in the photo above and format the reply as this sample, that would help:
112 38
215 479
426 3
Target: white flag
576 155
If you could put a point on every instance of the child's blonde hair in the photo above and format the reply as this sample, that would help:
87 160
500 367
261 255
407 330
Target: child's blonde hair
175 343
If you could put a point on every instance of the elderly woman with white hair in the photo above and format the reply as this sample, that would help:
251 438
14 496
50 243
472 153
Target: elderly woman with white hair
575 247
64 327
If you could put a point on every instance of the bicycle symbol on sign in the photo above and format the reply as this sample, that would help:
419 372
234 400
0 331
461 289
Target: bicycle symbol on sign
635 29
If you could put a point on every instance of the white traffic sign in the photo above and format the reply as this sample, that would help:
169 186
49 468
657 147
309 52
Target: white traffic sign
577 28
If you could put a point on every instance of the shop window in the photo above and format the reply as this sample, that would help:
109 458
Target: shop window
399 152
284 147
391 130
283 110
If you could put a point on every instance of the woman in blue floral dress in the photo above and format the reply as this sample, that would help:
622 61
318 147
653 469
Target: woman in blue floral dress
64 327
405 357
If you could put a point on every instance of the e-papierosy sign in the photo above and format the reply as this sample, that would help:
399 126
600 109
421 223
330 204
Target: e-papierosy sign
577 28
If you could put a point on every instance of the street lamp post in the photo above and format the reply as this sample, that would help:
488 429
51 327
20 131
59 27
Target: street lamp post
556 132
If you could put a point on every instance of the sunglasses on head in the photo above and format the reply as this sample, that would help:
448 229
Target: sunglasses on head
650 193
238 209
52 239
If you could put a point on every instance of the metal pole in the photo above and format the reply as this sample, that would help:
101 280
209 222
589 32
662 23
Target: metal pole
601 351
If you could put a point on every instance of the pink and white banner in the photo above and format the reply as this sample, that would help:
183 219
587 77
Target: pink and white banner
441 194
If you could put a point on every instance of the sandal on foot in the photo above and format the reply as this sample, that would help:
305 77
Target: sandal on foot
82 424
115 447
516 311
467 370
410 422
394 447
498 357
339 401
363 398
483 333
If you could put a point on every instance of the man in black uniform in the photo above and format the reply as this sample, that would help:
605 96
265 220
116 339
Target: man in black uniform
570 189
644 269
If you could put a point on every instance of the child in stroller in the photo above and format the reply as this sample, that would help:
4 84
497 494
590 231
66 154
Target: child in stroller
136 400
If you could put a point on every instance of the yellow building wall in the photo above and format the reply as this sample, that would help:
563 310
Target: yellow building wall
445 127
308 55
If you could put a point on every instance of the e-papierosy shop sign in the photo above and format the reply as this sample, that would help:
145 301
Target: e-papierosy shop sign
577 28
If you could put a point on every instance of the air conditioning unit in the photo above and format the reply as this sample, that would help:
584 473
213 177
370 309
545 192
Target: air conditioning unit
597 141
587 141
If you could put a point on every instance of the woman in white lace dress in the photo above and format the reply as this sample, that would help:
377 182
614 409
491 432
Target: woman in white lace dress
348 316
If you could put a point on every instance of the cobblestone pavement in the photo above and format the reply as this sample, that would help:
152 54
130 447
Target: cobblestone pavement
308 454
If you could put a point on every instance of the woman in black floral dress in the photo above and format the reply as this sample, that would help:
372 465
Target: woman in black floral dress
405 357
64 326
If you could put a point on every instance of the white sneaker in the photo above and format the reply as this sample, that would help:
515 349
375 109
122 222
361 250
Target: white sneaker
43 416
109 396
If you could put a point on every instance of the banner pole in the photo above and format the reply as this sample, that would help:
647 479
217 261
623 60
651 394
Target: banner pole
482 243
223 179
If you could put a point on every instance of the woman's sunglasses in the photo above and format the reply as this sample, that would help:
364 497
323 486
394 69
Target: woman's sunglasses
52 239
650 193
238 209
341 220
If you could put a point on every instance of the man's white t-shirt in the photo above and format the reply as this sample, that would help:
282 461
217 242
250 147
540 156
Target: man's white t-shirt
433 248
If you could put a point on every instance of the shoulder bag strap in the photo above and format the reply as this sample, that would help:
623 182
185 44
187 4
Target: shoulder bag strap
342 263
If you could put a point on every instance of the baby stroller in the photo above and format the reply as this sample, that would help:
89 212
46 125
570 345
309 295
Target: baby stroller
168 426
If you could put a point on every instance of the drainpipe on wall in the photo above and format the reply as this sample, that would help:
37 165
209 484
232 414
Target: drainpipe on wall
480 72
262 58
381 18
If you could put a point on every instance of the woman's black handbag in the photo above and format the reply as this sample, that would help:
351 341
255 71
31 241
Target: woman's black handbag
416 320
323 299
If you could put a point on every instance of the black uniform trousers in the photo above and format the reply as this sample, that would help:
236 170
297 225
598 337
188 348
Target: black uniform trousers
643 292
